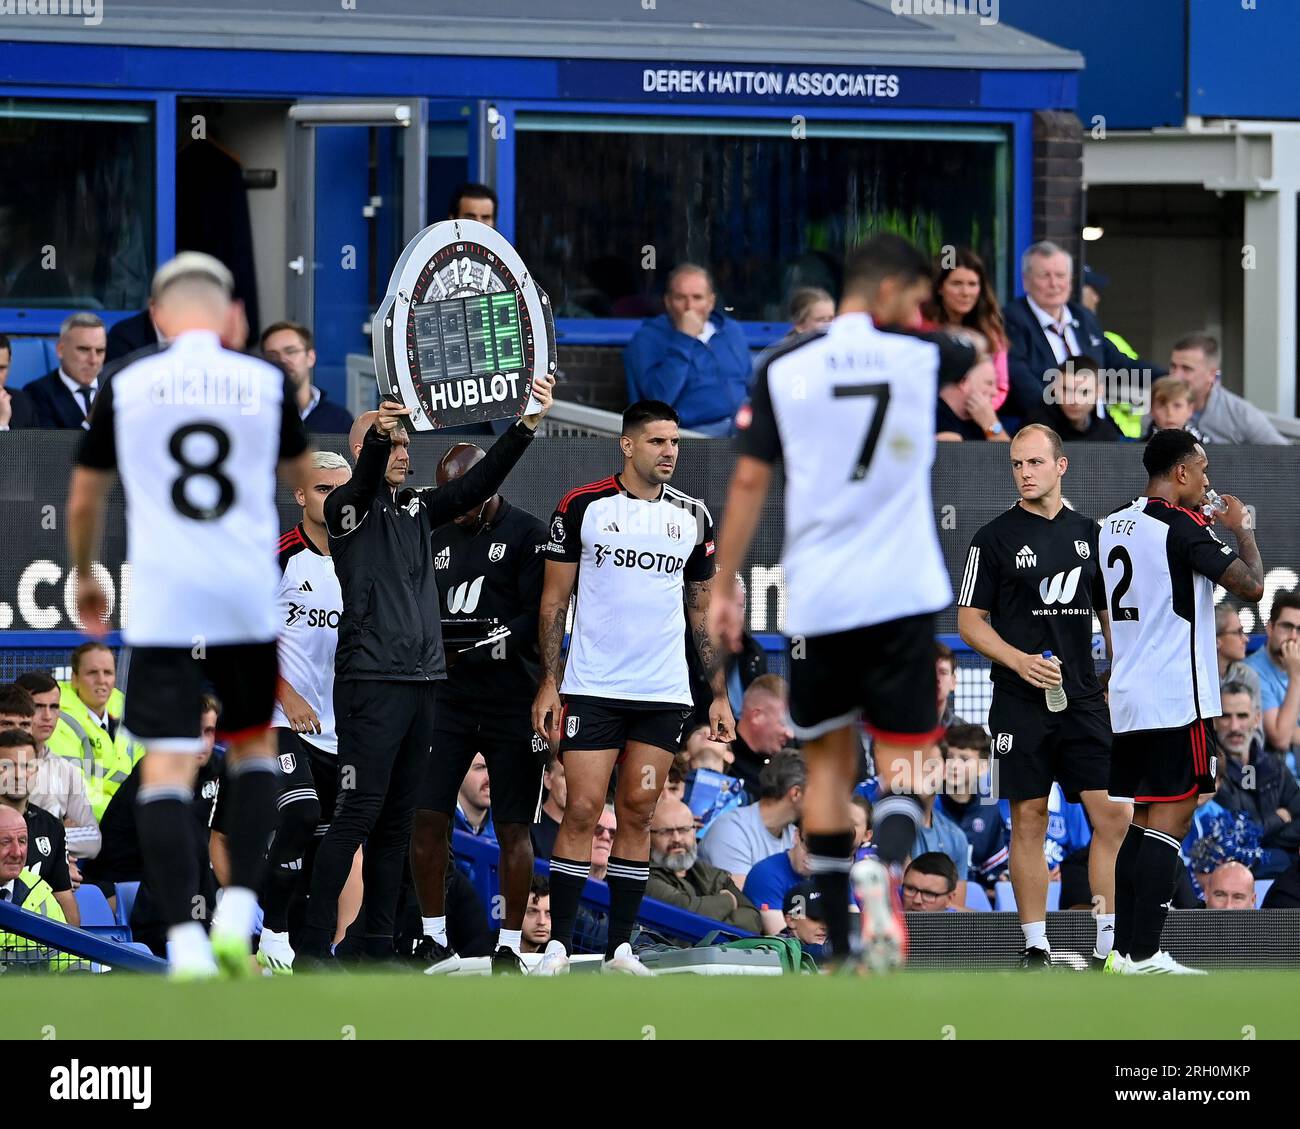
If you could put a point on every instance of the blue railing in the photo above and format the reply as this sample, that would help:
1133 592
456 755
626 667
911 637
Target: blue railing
483 856
61 939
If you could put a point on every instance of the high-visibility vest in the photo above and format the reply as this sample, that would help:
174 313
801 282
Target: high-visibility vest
33 894
1128 417
105 762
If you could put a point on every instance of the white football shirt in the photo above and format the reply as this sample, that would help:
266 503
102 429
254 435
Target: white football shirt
633 557
1160 564
311 603
850 414
195 433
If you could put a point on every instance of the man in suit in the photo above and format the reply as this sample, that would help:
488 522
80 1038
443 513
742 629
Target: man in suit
16 411
1045 329
63 397
291 346
130 334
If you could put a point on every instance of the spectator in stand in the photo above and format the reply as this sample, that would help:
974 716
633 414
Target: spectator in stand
1230 641
804 918
1219 416
963 300
1171 407
702 751
16 410
945 669
602 842
89 730
59 787
676 783
1257 780
930 884
1231 886
536 933
1278 665
47 847
474 804
762 728
967 800
63 396
1071 408
773 878
937 833
1285 891
1126 414
811 311
964 409
691 357
548 820
133 334
18 885
680 879
292 347
473 202
1045 328
743 837
17 710
863 832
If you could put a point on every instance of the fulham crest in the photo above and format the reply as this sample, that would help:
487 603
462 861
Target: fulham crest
497 551
571 727
1081 547
1003 743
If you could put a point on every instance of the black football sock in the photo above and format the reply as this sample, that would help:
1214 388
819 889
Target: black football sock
568 880
253 786
171 865
1126 887
896 818
829 859
627 880
299 812
1157 865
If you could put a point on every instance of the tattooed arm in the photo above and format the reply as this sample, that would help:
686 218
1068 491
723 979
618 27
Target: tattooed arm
554 610
698 593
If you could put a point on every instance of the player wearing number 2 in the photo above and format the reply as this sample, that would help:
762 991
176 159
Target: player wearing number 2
850 414
196 433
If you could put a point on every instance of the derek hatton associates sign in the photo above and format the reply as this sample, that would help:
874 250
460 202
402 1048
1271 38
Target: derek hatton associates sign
463 329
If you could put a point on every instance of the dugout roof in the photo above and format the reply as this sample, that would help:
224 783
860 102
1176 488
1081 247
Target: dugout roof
858 32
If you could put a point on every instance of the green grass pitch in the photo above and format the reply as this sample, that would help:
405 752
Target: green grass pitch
1228 1006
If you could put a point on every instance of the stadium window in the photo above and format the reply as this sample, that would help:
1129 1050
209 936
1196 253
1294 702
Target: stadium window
76 204
765 212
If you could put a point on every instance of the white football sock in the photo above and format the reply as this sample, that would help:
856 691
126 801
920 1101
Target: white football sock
1105 934
510 939
1035 935
188 947
235 911
436 927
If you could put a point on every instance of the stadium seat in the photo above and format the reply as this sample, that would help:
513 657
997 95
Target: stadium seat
126 892
93 907
32 357
976 898
1005 898
1262 886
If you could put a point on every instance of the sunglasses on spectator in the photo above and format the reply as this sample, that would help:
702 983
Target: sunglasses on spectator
604 832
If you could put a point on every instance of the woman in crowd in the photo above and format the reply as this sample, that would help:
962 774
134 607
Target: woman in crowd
963 299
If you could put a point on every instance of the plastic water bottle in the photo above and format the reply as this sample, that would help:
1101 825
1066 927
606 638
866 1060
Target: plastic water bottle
1213 504
1056 699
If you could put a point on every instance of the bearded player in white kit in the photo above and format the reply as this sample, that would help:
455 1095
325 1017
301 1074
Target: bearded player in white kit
196 433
